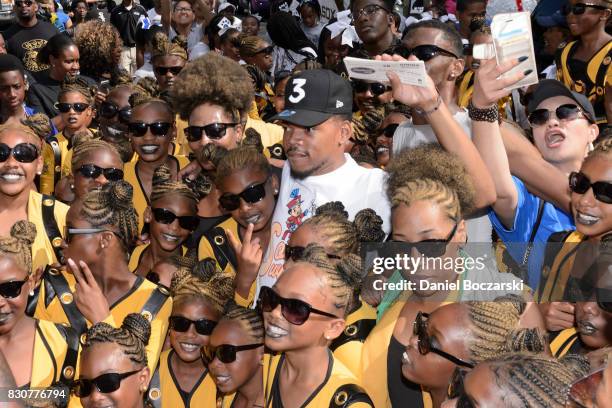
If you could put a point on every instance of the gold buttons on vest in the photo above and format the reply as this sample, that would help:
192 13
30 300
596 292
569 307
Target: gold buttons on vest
83 338
163 290
68 372
147 315
219 240
66 298
350 330
154 394
56 242
54 271
47 202
340 398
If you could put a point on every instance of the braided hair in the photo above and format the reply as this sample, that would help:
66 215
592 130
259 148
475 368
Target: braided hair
85 145
206 281
212 153
165 186
162 46
39 123
249 45
147 91
242 158
19 244
13 127
132 337
602 148
79 85
112 205
250 320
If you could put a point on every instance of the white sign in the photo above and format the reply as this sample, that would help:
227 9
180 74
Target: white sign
409 72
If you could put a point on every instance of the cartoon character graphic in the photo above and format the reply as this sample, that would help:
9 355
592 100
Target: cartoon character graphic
296 214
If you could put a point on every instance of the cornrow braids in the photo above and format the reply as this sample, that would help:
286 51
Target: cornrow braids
162 46
39 123
603 148
201 186
212 153
180 41
147 91
164 185
250 320
112 205
242 158
13 127
252 139
430 173
396 107
133 337
206 281
19 244
249 45
79 85
86 145
538 381
343 278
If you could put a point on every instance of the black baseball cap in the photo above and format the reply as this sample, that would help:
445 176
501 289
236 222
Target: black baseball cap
313 96
549 88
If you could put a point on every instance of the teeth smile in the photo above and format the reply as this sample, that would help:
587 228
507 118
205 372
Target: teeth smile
189 347
586 328
10 177
275 332
382 149
149 148
253 219
169 237
586 219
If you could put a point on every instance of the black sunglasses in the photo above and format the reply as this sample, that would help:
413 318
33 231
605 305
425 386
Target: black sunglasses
161 71
26 3
78 107
579 8
105 383
225 353
295 311
425 52
268 50
424 341
22 152
580 184
375 87
540 117
12 289
296 253
212 131
182 324
250 195
69 232
139 129
109 110
389 131
93 172
432 248
164 216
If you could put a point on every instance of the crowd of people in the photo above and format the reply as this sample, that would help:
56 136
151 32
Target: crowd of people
194 202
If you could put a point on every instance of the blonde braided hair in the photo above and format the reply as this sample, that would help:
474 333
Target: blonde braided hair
19 244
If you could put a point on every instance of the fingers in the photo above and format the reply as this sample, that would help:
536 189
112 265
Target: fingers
89 279
76 271
394 80
564 307
248 234
234 242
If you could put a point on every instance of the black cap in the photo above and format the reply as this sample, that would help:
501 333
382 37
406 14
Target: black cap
313 96
549 88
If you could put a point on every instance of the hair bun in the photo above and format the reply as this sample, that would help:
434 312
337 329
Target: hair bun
39 123
252 139
138 326
211 153
120 194
162 175
206 269
369 226
24 231
372 119
332 207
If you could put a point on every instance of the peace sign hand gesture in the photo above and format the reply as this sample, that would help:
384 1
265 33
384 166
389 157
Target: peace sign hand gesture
249 253
88 296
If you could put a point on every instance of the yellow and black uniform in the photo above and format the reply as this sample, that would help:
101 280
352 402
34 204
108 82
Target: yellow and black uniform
271 137
138 252
587 77
340 388
348 347
55 151
165 391
49 216
141 201
56 303
565 342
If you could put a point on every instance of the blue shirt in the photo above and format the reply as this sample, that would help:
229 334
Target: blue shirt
60 22
517 237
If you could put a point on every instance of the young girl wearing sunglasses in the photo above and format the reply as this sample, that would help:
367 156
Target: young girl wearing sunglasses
303 313
20 162
114 365
97 284
182 379
151 129
38 353
395 114
172 216
114 114
331 229
235 355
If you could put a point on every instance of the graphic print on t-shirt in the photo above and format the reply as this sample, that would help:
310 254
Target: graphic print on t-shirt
31 49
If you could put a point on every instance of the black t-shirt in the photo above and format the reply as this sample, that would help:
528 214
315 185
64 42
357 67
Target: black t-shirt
24 43
126 21
43 94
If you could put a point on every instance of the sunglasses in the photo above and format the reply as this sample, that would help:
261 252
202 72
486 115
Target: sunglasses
580 8
26 3
78 107
295 311
105 383
12 289
432 248
540 117
22 152
582 392
213 131
225 353
424 341
580 184
70 232
161 71
93 172
368 11
188 222
389 131
425 52
139 129
375 87
109 110
182 324
268 50
250 195
296 253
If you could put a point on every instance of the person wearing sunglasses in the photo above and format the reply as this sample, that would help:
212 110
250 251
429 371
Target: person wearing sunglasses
114 114
183 378
395 115
172 216
151 130
373 21
114 365
234 356
20 162
256 51
168 60
36 350
369 96
303 313
467 10
582 64
96 284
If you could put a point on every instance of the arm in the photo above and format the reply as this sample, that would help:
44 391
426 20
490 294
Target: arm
608 102
166 18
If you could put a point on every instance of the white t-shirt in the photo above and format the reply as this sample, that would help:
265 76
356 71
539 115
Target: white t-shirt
355 186
195 35
409 136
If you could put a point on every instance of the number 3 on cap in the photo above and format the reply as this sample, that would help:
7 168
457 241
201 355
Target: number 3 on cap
298 92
